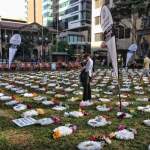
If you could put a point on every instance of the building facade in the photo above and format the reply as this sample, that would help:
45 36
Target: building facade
71 18
75 21
34 11
47 12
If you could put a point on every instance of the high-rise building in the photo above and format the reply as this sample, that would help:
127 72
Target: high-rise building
34 11
47 12
72 18
96 32
75 20
75 14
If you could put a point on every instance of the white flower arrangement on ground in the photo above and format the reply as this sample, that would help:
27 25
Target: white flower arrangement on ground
39 98
69 89
90 145
108 93
125 134
124 104
11 103
138 88
28 95
139 92
47 103
64 131
98 121
144 109
144 99
86 103
22 91
104 99
75 114
147 122
60 96
20 107
51 84
73 99
59 108
30 113
103 108
5 98
1 94
45 121
126 115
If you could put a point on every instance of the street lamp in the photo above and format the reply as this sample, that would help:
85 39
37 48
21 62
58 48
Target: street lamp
43 40
6 36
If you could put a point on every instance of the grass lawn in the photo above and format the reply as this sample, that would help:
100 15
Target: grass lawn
38 137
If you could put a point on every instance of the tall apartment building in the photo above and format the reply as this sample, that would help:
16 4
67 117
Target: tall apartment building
34 11
75 14
47 12
75 21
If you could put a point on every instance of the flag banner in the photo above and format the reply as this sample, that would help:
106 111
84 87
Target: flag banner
12 52
107 27
15 39
131 50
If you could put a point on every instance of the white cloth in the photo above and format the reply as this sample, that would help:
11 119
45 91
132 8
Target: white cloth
89 66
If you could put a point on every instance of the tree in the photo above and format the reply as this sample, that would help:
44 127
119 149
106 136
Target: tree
131 10
63 46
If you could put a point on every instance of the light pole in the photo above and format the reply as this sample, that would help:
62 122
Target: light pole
1 54
6 36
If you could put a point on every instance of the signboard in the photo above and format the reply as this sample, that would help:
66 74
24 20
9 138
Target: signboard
22 122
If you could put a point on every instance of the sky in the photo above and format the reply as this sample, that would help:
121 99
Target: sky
12 9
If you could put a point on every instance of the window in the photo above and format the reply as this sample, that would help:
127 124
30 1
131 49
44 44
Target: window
122 32
64 4
73 1
71 10
98 37
97 20
76 17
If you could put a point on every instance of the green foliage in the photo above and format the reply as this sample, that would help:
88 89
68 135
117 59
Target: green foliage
62 46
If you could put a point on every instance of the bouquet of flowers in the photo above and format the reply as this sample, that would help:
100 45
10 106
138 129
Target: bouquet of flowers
64 130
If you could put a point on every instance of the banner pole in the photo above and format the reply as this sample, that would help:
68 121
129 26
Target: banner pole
119 93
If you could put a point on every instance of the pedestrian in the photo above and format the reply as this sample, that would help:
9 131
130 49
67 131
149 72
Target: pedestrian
144 47
85 77
146 65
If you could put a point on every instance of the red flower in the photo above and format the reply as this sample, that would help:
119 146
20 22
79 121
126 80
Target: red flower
56 120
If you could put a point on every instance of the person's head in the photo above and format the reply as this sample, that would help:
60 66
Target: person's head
87 56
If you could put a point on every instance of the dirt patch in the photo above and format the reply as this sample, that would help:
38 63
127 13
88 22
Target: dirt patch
21 138
4 113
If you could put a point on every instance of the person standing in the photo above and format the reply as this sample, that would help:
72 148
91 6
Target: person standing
86 75
144 46
146 65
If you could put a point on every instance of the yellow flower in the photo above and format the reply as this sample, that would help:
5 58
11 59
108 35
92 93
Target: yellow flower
40 111
56 134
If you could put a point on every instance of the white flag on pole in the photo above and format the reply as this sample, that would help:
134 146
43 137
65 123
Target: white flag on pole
12 52
14 40
107 27
131 50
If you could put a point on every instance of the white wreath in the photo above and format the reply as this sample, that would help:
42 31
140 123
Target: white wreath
90 145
